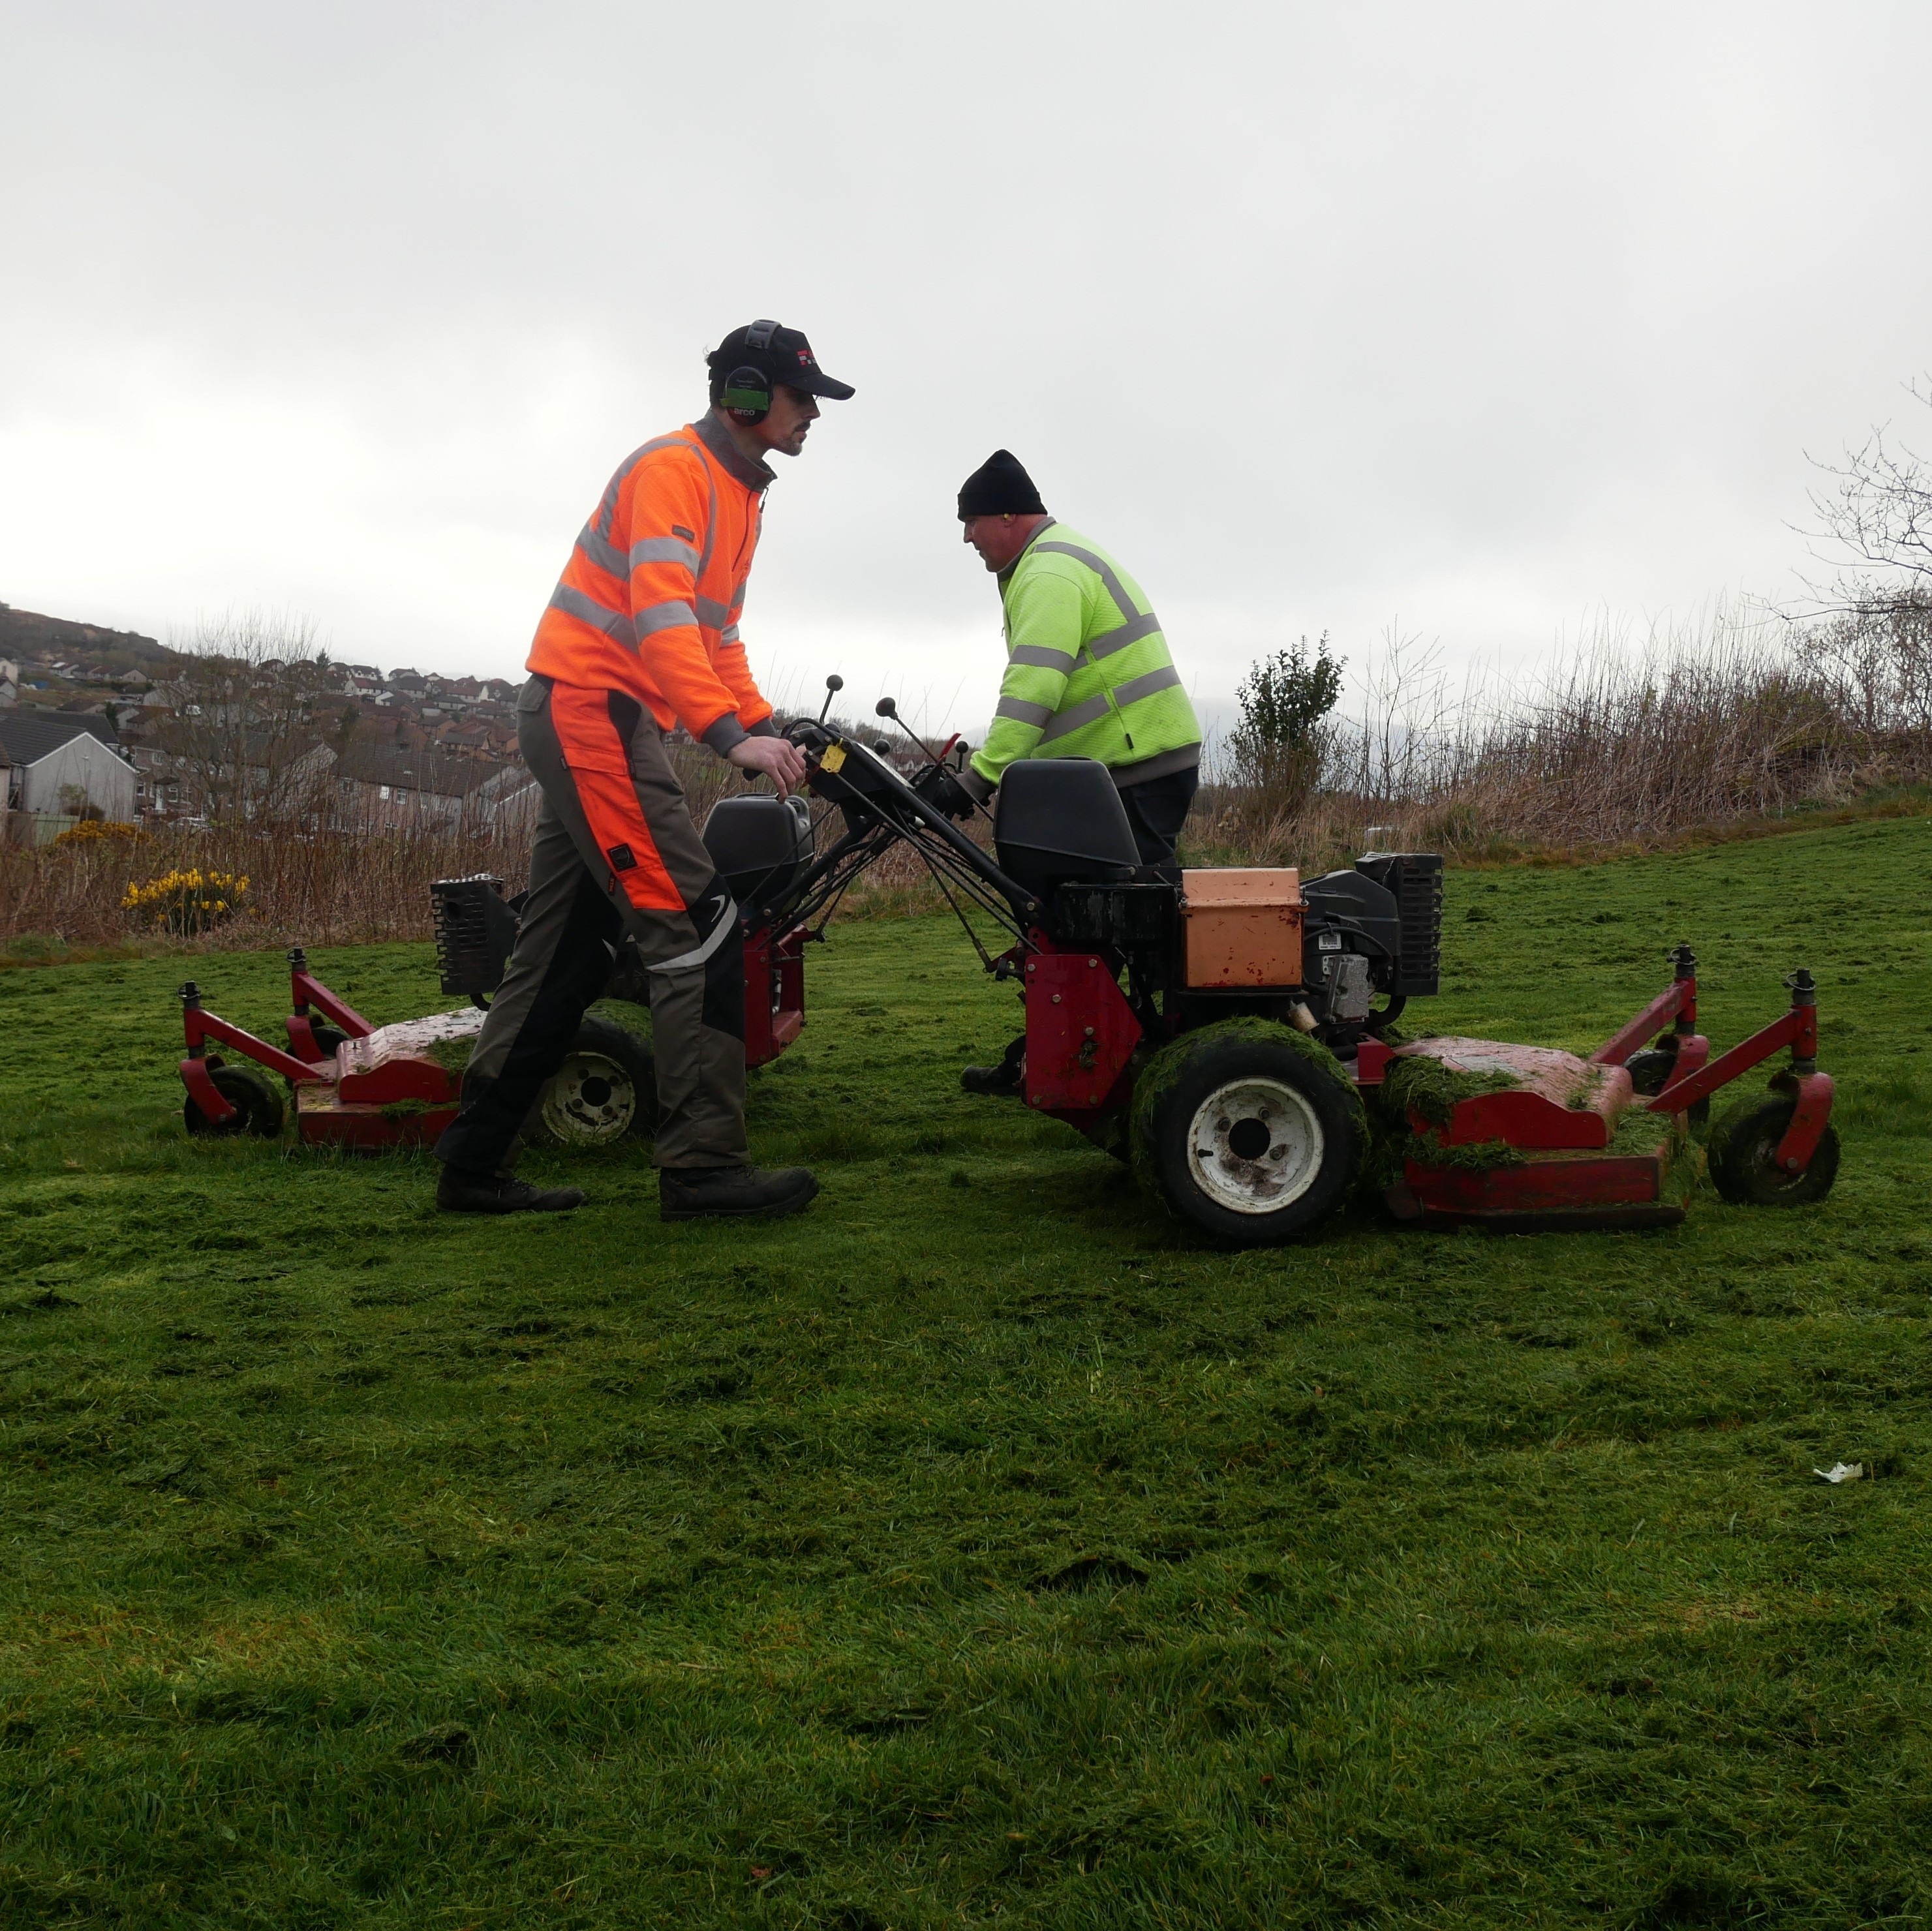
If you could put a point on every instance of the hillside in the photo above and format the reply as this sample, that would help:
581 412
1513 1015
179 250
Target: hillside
28 636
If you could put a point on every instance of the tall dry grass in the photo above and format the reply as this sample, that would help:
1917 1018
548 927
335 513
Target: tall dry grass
1743 718
308 880
319 888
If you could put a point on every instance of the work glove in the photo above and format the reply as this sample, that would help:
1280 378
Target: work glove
943 790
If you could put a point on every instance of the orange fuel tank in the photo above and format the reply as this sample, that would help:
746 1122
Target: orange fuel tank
1244 928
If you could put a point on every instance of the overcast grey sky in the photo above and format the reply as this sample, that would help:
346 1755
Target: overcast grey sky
1488 318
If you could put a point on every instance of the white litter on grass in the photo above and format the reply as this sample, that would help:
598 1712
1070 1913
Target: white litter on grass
1842 1471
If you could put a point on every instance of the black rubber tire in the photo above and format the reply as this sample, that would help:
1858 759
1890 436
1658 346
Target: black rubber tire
1743 1145
258 1106
1650 1072
329 1039
606 1089
1200 1166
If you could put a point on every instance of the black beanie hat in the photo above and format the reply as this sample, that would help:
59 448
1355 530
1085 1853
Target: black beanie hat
1000 486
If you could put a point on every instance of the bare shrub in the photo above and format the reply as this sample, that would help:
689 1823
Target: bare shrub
1610 746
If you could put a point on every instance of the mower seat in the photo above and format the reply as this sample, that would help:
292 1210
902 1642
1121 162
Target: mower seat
1060 821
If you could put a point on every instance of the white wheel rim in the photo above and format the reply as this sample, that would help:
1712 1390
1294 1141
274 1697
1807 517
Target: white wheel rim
591 1100
1235 1166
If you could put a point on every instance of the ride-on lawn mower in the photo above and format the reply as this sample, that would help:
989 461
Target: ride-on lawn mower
1218 1028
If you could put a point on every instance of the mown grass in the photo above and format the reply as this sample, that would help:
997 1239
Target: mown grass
976 1549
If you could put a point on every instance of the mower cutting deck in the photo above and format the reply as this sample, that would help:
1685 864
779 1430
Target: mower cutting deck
357 1085
1523 1139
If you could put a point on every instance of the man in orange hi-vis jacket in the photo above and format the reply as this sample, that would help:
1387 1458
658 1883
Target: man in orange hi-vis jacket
642 633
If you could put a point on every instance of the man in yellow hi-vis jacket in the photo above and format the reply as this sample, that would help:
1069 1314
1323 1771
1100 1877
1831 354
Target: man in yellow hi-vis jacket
1088 673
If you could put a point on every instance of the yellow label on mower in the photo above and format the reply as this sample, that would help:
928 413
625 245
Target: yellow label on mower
834 759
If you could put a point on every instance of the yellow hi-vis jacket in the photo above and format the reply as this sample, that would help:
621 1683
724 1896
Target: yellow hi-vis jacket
1088 673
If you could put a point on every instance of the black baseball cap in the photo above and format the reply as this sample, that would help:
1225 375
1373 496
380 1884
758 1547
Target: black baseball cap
782 355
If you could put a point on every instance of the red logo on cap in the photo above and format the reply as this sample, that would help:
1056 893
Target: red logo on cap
804 357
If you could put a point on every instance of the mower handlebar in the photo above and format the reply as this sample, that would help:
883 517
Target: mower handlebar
859 777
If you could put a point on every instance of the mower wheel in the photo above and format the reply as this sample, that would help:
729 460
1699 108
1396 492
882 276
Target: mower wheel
1743 1154
1247 1137
606 1088
329 1039
258 1106
1650 1072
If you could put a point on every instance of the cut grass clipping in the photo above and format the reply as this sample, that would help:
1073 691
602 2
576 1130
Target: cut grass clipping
974 1549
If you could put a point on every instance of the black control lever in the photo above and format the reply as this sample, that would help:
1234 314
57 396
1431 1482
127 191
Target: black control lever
833 686
887 707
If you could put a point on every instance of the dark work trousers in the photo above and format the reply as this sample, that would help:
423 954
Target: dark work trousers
616 851
1157 809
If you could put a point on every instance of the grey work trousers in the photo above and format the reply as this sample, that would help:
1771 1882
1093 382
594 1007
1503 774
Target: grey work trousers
616 851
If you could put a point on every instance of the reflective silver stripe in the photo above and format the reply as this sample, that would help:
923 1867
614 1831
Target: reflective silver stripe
1103 570
606 556
706 459
587 610
1109 641
1135 689
1041 657
718 933
729 634
712 613
608 508
664 550
1025 711
1088 711
666 616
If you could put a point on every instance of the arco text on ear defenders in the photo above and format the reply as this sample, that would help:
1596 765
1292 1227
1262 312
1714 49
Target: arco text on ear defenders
747 393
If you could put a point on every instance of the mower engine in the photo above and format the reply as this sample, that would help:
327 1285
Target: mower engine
1197 947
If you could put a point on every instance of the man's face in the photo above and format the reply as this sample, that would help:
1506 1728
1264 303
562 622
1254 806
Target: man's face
998 539
793 412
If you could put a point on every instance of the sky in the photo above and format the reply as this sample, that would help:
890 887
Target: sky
1491 325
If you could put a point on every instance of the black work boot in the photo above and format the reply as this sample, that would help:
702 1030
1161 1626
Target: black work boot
741 1193
1007 1078
460 1191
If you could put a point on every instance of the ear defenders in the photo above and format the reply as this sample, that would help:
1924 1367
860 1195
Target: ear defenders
747 393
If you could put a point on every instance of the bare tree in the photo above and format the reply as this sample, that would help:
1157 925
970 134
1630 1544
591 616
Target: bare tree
1870 630
245 734
1876 514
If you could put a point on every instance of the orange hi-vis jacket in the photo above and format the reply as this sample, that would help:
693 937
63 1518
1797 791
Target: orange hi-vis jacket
648 604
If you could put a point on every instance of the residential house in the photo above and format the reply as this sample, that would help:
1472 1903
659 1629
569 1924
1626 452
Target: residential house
469 739
61 766
397 788
507 803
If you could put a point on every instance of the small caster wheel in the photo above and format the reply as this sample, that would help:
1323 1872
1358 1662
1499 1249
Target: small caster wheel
1743 1153
258 1106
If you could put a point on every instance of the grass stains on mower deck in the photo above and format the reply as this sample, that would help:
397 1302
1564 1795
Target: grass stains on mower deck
1231 1032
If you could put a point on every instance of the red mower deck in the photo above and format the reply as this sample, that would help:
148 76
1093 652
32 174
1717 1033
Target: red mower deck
1552 1126
389 1088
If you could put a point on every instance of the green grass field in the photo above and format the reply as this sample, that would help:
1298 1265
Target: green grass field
975 1550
